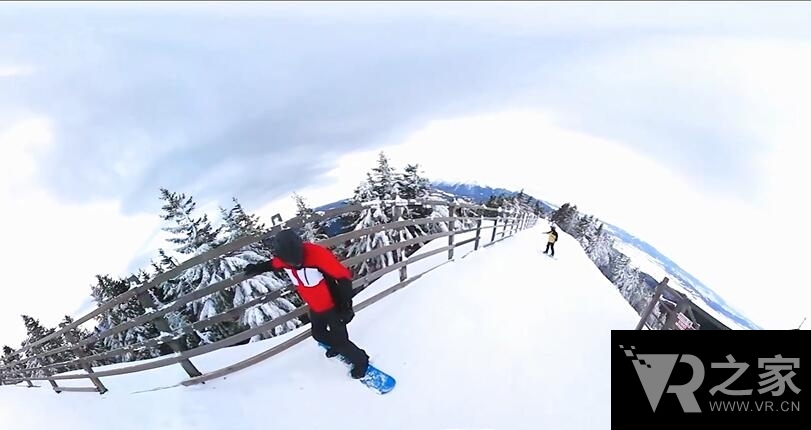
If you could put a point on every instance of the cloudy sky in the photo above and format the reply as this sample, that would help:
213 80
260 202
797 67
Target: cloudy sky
682 123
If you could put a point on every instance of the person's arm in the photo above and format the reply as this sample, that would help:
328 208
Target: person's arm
254 269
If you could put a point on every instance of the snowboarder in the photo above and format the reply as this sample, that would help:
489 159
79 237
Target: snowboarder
326 286
550 244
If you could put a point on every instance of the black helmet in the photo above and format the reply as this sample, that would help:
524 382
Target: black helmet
289 247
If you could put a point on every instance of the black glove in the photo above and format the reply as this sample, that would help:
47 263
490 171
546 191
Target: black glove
254 269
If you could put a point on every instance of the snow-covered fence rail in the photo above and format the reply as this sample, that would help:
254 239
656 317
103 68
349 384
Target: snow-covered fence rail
33 364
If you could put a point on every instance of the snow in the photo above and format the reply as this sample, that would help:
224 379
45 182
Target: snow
503 337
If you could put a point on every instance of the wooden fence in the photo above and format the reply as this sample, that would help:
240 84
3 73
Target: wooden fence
674 315
31 368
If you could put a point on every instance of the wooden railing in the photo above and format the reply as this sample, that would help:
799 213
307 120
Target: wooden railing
504 224
677 315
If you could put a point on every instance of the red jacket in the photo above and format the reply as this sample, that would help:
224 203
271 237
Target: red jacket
309 280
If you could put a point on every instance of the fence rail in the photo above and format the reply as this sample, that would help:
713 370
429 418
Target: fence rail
677 315
22 370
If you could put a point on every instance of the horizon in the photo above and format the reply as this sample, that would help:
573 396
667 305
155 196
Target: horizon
681 123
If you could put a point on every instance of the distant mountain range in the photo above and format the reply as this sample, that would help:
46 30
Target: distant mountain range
683 278
481 193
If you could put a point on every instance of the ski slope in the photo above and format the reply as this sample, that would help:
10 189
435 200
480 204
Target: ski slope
500 338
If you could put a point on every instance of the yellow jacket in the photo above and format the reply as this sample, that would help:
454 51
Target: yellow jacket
553 236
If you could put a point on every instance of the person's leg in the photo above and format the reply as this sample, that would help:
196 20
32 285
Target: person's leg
339 339
552 247
547 248
318 327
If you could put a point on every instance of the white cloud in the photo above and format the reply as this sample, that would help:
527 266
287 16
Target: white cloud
52 251
15 71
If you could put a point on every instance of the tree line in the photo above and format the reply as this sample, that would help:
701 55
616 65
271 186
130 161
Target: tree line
192 233
598 244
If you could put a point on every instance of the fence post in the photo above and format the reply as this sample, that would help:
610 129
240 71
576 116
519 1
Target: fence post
495 227
506 224
452 225
660 288
85 365
46 372
147 301
396 211
478 233
399 255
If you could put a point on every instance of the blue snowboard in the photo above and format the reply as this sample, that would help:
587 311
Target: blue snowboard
377 380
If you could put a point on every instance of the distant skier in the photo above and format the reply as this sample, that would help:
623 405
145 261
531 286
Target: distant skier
552 238
326 286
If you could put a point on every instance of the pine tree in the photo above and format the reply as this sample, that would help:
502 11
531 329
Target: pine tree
601 248
237 223
9 357
384 179
165 263
369 216
639 296
191 234
413 186
538 210
627 279
586 230
106 289
312 231
195 236
565 216
77 333
36 332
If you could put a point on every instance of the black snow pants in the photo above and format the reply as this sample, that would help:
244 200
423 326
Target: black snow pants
328 329
550 246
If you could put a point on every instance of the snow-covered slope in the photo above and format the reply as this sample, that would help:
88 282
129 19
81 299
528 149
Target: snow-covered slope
504 337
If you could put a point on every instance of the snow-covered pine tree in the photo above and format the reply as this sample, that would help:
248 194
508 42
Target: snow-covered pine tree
565 216
413 186
8 358
312 231
106 289
77 333
601 248
537 209
165 294
585 230
195 236
639 296
627 278
384 179
369 216
36 332
237 223
165 263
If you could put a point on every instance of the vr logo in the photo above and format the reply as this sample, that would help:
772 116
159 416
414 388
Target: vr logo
654 371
